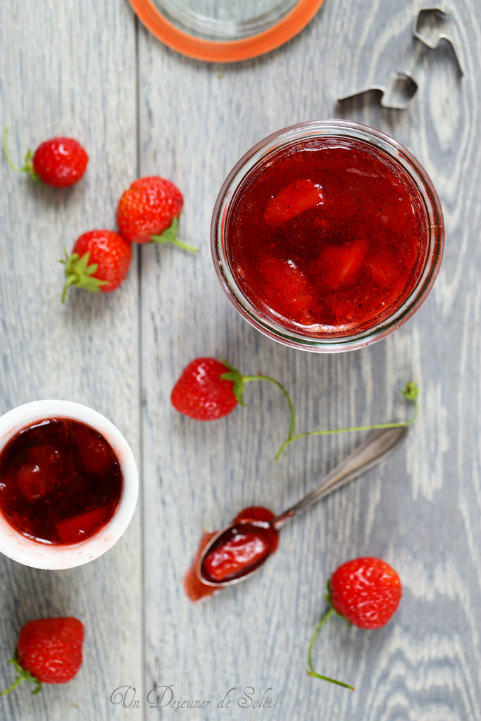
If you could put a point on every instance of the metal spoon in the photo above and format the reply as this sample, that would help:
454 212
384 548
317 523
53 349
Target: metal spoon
366 456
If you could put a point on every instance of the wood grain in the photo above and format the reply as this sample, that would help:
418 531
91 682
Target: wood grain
419 511
89 70
70 68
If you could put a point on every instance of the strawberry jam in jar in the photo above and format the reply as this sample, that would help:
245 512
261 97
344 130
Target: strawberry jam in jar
327 236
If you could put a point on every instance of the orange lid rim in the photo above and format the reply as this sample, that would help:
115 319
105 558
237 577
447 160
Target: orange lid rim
225 51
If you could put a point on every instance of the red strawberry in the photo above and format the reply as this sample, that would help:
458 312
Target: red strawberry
366 592
209 389
288 290
201 392
82 526
46 456
36 477
96 455
59 162
385 269
339 264
49 650
33 482
298 196
100 260
148 212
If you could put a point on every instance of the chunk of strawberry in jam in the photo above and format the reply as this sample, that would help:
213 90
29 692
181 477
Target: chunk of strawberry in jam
247 546
297 197
96 455
338 265
84 525
33 482
45 456
382 267
288 289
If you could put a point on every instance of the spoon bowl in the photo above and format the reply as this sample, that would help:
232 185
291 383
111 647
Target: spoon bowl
224 536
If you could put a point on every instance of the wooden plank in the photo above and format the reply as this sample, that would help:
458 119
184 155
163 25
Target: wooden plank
421 511
70 68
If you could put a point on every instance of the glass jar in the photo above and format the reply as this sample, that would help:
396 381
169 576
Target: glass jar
257 158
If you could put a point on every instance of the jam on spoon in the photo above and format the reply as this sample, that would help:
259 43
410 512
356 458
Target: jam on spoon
251 539
236 552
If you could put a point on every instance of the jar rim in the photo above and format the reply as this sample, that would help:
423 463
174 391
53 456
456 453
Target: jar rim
434 221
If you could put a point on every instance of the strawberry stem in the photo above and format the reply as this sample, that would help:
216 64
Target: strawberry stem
292 413
410 393
23 675
170 236
239 382
67 285
27 167
311 672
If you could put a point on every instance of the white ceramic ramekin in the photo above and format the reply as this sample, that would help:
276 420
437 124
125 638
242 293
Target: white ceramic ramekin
53 557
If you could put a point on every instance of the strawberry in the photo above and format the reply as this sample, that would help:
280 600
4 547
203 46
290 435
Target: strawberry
82 526
100 260
365 592
148 212
49 650
209 389
96 455
36 477
385 269
47 456
288 290
339 264
297 197
202 392
33 482
59 162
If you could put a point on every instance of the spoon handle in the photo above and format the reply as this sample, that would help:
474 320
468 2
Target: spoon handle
366 456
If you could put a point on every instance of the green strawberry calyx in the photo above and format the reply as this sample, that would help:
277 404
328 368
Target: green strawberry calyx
27 167
170 236
238 380
80 274
23 675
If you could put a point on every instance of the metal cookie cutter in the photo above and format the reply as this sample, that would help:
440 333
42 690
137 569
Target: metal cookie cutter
440 13
403 81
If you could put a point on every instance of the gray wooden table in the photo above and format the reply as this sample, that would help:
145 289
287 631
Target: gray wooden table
88 69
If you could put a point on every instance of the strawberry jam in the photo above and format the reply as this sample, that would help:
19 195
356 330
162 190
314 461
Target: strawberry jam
327 236
248 542
60 481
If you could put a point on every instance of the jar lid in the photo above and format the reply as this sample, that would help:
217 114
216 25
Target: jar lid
225 31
